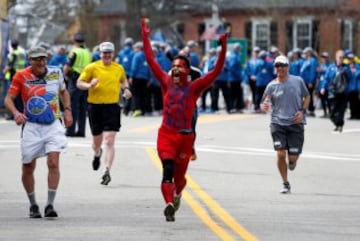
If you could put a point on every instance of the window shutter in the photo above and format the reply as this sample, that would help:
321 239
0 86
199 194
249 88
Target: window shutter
274 33
201 28
315 35
355 36
248 29
342 30
289 36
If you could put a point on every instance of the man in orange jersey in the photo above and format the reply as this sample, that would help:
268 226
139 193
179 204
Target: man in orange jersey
43 134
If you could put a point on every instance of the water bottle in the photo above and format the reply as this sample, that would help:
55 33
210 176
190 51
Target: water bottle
267 100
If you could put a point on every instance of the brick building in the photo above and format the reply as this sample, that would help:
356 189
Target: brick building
324 25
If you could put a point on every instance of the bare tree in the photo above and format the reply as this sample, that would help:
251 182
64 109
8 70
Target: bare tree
35 21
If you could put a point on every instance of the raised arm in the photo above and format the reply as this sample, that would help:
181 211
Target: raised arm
149 55
207 80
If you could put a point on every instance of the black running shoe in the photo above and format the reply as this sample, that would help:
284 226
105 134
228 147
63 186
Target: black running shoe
169 212
50 212
292 166
106 178
34 211
96 161
176 202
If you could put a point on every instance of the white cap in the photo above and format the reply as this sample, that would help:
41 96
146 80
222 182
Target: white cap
281 59
129 41
192 43
256 49
307 50
106 47
138 45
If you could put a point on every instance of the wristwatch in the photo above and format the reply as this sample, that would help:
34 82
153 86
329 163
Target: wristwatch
67 108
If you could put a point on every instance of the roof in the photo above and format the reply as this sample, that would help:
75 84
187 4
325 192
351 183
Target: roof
205 6
109 7
231 4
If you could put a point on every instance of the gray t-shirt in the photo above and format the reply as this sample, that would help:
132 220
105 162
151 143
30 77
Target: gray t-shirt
286 99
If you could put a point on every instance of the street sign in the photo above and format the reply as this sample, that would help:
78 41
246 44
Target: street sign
230 45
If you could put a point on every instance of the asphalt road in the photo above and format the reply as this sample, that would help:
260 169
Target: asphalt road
232 192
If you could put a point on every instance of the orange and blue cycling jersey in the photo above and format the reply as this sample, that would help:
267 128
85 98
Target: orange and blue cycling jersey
39 94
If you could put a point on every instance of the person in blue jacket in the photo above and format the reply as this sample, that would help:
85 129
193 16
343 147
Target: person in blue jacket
322 86
235 79
308 74
140 81
221 83
60 58
155 90
95 53
249 72
264 73
295 66
194 58
338 80
352 88
124 57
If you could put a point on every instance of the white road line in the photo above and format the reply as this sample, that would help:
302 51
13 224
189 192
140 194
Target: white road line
231 150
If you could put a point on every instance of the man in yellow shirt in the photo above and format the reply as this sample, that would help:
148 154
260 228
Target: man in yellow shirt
104 80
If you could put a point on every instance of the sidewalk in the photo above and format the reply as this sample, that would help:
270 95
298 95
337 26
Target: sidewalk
2 112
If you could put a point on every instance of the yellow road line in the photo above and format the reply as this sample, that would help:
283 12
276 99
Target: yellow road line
220 212
144 129
212 204
202 214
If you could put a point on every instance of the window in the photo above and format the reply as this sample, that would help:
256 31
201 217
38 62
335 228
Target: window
302 34
261 33
347 35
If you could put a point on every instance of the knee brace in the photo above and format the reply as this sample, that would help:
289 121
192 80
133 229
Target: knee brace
168 171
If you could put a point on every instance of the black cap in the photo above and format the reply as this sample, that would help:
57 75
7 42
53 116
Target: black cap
78 37
14 43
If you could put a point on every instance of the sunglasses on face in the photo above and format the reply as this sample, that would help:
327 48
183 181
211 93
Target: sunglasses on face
38 59
280 65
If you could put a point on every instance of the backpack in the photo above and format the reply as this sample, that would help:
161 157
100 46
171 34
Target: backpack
340 82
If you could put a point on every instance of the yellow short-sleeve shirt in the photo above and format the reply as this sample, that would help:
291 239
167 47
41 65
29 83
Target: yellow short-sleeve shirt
110 78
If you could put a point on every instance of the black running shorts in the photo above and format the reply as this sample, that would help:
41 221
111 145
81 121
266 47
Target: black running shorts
290 138
104 117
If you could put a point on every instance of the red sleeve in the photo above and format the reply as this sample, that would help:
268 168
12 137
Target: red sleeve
159 74
16 84
207 80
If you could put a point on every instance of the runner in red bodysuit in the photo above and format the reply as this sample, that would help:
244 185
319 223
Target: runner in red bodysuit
175 135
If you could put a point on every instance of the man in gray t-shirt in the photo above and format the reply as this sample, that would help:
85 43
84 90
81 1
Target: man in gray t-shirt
287 97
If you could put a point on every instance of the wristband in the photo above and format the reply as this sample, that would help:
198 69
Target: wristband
67 108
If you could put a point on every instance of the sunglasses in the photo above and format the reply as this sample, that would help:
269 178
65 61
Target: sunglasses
38 59
281 65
